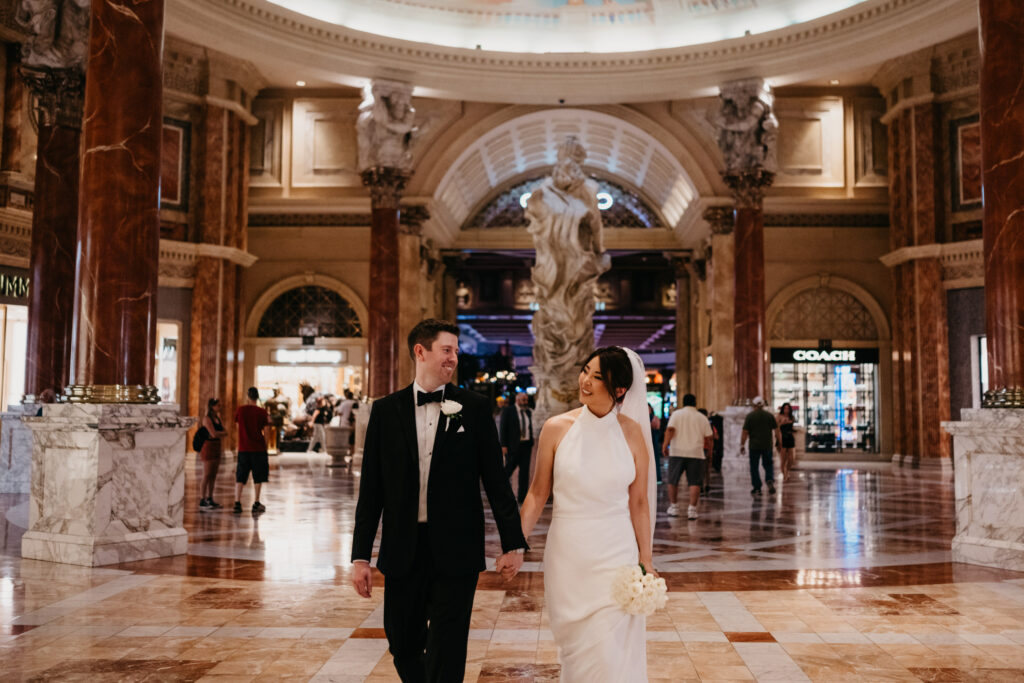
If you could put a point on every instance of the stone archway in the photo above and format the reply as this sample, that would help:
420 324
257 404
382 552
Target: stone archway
826 307
273 292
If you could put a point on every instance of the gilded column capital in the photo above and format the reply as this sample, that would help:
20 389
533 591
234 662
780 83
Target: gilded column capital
386 185
57 95
748 187
721 219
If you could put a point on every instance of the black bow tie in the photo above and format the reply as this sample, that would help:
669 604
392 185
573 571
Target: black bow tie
423 398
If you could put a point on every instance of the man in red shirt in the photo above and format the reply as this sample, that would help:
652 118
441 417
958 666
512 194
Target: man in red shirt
252 420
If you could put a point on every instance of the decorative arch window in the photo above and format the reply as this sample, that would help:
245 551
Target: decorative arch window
825 313
310 311
620 207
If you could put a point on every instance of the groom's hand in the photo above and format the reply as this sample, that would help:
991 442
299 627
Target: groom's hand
362 578
508 565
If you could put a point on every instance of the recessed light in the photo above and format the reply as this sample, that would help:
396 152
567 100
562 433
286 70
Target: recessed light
834 81
302 84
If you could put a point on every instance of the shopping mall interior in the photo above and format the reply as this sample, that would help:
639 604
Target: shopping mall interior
817 202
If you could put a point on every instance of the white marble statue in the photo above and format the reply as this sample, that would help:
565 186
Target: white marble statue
385 126
747 128
59 31
566 227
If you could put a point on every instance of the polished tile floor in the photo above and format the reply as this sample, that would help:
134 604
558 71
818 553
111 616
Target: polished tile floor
842 575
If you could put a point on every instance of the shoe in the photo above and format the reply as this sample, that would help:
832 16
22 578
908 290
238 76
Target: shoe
771 488
203 504
213 505
237 509
258 507
691 512
673 511
755 492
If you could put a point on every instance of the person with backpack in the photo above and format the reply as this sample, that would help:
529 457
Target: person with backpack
207 439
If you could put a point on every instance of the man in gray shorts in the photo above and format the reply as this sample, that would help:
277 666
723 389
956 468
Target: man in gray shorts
687 435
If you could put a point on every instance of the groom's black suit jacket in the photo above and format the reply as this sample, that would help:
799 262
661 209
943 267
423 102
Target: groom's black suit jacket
466 452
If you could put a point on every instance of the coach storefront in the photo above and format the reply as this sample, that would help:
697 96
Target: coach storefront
834 393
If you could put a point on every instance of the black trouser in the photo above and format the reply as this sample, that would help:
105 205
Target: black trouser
519 456
426 619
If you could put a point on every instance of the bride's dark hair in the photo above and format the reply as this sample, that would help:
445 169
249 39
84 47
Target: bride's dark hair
616 370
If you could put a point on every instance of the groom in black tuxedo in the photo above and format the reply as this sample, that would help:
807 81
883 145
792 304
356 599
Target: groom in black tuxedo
427 449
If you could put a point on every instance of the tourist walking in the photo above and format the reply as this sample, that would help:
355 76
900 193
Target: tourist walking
787 449
759 427
687 437
516 432
210 454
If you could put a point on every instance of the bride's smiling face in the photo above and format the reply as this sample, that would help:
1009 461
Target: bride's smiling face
593 392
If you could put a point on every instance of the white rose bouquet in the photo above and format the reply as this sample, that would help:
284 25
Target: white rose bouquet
638 592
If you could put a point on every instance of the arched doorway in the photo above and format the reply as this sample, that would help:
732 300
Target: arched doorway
308 331
829 353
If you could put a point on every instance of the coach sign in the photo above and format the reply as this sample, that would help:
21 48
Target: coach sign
824 355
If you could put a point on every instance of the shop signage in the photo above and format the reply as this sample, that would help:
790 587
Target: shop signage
317 356
824 355
14 284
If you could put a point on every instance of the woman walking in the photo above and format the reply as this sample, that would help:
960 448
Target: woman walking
787 449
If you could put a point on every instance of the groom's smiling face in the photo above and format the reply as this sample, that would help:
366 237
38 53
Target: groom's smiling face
436 365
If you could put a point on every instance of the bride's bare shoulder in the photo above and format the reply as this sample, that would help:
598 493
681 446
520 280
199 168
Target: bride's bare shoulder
627 423
556 425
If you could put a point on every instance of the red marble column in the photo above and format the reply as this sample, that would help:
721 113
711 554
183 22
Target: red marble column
1002 155
385 185
750 360
14 92
119 229
920 334
58 104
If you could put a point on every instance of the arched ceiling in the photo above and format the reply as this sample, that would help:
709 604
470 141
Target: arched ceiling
615 147
584 54
565 25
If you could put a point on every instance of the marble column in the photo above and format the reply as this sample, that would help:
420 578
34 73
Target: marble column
14 113
684 342
920 335
721 295
750 356
58 106
222 158
385 185
108 478
119 230
1002 156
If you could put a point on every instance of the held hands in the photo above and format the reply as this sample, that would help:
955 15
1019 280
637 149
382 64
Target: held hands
508 565
362 578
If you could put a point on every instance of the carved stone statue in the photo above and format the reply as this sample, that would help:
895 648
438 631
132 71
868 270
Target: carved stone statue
385 127
747 128
59 32
566 227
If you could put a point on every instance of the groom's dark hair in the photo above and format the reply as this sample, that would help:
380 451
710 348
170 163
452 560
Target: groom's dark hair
426 332
616 369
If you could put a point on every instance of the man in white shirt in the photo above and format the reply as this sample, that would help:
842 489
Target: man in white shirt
687 436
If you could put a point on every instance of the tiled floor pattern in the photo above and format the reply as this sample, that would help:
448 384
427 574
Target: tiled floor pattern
842 576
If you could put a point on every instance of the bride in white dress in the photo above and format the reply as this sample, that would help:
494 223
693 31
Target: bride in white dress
598 462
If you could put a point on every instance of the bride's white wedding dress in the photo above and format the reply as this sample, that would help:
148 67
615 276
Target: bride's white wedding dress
590 538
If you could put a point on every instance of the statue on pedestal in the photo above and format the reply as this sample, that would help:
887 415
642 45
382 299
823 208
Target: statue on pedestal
566 227
747 128
385 127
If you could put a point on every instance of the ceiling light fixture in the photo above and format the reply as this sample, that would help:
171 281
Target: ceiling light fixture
834 81
301 84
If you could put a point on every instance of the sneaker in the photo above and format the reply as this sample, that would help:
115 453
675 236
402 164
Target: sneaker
203 504
673 511
771 488
258 507
213 505
238 508
691 512
755 492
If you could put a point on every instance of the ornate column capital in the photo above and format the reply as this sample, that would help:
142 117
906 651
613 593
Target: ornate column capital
385 129
57 95
720 218
386 185
681 264
749 187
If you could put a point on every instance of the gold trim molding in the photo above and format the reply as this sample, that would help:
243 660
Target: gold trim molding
110 393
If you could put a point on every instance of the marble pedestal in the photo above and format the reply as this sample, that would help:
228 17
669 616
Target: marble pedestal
108 484
733 418
988 463
16 449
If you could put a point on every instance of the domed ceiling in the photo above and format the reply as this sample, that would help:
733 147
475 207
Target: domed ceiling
538 26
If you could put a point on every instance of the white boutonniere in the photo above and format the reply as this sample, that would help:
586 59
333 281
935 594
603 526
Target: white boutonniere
451 409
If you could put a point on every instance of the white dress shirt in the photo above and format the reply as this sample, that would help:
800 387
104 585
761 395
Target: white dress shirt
427 418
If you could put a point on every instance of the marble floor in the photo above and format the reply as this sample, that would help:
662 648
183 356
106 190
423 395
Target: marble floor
844 574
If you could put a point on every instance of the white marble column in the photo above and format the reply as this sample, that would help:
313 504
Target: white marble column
108 484
988 459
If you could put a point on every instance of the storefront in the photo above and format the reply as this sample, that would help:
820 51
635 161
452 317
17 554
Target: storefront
283 366
835 396
14 284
